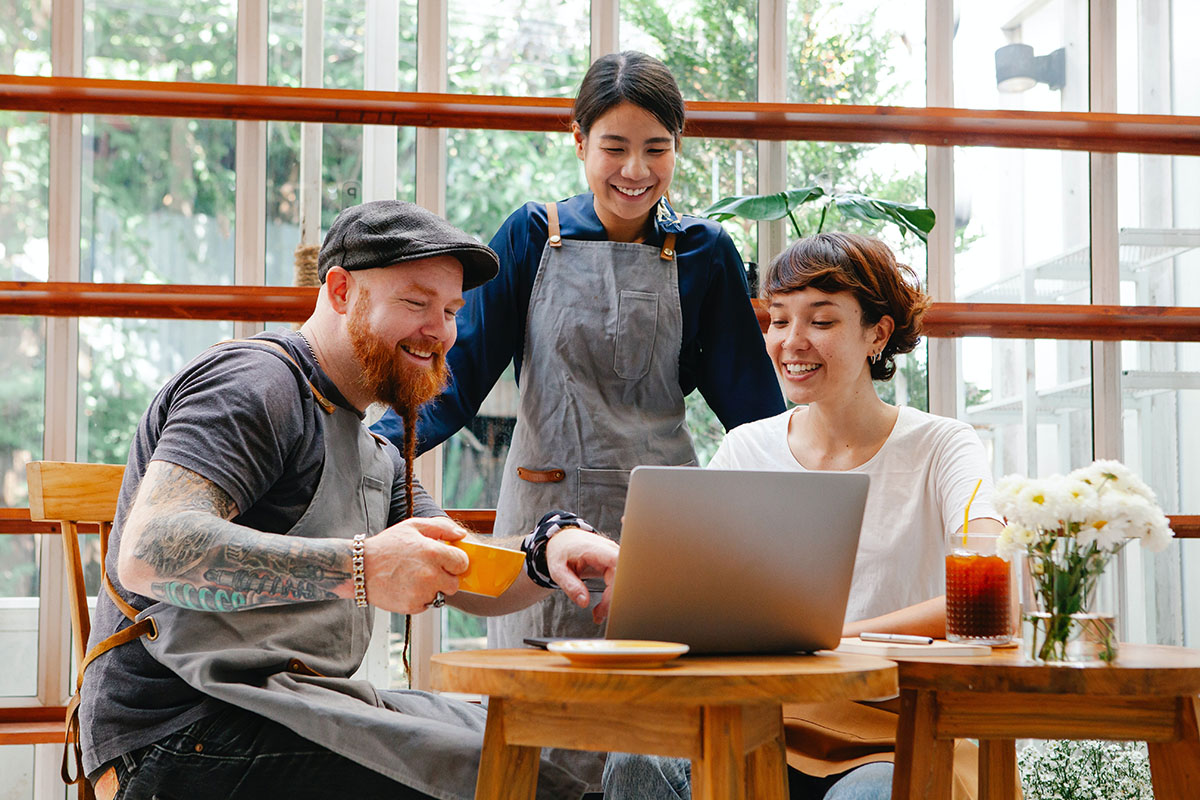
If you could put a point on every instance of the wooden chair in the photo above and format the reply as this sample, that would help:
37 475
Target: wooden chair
70 494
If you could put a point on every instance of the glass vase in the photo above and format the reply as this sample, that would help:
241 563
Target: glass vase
1069 598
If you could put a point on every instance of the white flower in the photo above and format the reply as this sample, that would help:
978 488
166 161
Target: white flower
1114 475
1159 535
1005 496
1042 504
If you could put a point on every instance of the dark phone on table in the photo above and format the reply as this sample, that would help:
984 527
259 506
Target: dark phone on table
542 641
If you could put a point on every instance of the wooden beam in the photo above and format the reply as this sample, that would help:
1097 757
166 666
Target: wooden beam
294 304
1048 321
1054 130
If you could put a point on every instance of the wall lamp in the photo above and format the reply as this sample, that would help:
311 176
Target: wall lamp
1018 69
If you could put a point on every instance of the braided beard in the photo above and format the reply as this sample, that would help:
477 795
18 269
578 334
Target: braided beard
386 372
404 386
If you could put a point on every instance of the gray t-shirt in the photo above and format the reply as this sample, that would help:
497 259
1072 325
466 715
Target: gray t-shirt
245 419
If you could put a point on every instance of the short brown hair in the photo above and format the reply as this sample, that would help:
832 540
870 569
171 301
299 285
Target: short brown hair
865 267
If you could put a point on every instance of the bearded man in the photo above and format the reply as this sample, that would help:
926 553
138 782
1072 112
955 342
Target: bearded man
259 522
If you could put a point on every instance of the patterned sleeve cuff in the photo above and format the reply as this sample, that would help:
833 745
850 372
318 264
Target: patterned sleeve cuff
535 543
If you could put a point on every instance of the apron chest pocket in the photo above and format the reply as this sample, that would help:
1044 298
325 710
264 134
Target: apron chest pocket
637 323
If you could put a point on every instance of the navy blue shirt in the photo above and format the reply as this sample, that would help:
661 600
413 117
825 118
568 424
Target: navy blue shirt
722 352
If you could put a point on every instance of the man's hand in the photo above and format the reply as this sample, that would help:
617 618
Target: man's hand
574 554
407 564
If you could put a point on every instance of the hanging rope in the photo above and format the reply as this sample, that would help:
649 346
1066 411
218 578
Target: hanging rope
306 268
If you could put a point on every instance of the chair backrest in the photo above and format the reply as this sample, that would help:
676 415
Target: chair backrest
69 493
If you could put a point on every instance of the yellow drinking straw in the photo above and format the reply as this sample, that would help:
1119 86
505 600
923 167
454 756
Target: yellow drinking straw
967 510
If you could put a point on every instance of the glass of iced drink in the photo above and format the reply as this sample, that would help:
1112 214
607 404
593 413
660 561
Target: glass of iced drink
979 590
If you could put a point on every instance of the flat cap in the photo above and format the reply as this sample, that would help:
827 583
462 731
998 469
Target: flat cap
386 232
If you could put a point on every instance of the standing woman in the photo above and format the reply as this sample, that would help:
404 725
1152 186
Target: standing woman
613 308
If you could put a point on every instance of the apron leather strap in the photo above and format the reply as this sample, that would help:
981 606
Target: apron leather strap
552 223
322 401
668 249
540 475
146 627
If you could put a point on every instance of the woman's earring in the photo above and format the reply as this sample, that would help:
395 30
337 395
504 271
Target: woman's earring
874 359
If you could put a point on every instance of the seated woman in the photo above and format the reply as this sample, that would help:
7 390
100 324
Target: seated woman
841 309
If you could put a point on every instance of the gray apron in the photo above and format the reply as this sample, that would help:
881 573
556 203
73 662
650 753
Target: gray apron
292 663
599 395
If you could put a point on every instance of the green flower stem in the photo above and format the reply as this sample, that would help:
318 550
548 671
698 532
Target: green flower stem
1065 575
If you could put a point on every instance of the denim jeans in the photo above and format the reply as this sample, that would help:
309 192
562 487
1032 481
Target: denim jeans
635 777
237 755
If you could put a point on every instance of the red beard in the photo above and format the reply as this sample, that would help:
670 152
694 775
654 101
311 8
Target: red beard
387 373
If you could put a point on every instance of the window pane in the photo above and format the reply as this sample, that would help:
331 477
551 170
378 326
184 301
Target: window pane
1159 220
22 398
710 47
341 182
24 38
1156 56
1031 56
122 365
1160 411
16 765
856 51
1021 226
344 44
894 172
161 40
19 587
24 196
518 47
1030 400
157 200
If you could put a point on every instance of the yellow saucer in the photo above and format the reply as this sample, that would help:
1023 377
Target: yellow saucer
617 652
492 569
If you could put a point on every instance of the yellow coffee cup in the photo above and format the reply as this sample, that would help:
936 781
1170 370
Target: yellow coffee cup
492 569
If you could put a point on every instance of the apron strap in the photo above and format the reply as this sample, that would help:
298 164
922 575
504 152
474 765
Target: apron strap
666 254
324 403
72 749
668 249
552 222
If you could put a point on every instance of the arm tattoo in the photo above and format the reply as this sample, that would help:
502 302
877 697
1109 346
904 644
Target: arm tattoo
207 563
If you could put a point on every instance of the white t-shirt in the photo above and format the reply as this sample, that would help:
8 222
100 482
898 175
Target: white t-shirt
921 480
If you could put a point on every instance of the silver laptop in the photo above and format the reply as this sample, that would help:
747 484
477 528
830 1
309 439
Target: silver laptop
737 561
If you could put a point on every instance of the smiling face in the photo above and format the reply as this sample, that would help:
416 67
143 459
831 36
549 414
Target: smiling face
820 346
401 324
629 159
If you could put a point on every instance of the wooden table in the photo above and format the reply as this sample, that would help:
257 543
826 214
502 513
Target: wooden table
723 712
1149 694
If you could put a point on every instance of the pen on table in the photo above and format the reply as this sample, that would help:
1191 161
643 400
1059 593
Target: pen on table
898 638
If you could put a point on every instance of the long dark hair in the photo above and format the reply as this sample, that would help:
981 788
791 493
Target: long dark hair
629 77
867 269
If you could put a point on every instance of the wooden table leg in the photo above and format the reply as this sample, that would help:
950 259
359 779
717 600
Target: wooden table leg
924 764
997 769
506 772
1175 766
766 770
719 773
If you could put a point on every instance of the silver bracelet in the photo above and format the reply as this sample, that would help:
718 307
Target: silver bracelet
358 563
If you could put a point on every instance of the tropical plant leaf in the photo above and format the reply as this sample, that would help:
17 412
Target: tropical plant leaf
762 206
752 206
906 216
806 194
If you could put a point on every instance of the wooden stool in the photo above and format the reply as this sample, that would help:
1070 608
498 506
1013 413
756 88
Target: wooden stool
722 712
1149 694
